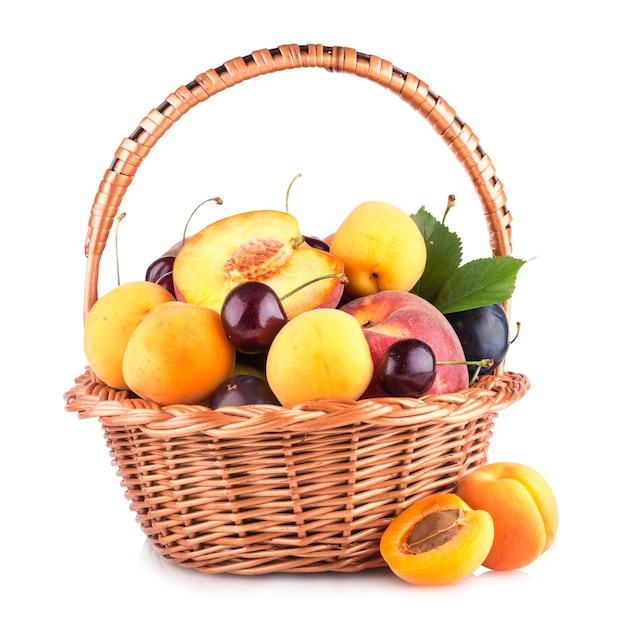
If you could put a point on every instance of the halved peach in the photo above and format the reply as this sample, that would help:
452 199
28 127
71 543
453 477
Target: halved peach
265 246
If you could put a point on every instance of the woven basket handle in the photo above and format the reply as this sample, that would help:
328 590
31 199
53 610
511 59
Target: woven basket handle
131 152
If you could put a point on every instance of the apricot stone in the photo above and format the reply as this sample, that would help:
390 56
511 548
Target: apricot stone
523 508
179 354
437 540
320 354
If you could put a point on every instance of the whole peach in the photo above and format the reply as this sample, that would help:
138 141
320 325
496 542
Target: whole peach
320 354
523 508
388 316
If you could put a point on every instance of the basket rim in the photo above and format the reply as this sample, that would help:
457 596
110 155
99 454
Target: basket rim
90 398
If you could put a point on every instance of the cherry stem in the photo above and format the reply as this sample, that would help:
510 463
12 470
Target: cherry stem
451 203
217 200
485 362
289 191
519 327
341 276
117 253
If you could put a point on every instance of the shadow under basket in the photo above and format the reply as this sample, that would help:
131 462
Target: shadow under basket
306 488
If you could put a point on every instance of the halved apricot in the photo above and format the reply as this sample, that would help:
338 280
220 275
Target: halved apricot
437 540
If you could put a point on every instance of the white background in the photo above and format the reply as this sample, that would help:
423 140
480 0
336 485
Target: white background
540 83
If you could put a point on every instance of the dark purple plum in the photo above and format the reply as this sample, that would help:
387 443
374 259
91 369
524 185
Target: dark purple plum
252 315
408 368
242 390
484 334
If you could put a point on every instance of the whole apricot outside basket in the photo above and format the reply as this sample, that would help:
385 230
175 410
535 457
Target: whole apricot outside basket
303 488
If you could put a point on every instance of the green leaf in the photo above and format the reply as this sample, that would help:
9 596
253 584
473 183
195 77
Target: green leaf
443 254
478 283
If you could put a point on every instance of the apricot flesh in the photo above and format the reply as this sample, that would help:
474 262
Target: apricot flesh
179 354
437 540
264 246
320 354
523 507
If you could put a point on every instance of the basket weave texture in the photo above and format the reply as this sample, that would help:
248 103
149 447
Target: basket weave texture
305 488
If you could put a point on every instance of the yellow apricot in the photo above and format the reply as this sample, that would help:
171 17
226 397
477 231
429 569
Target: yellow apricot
320 354
111 321
523 508
437 540
179 354
381 247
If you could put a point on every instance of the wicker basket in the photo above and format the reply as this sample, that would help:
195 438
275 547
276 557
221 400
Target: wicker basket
305 488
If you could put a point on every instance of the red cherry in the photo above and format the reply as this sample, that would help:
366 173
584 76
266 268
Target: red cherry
408 368
252 315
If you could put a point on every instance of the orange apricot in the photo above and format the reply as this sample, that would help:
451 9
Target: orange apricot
437 540
111 321
523 508
179 354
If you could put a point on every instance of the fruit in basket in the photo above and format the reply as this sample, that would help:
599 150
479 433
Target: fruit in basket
160 270
320 354
264 246
179 354
523 507
388 316
408 368
161 266
111 321
242 390
437 540
252 315
381 247
484 333
167 282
